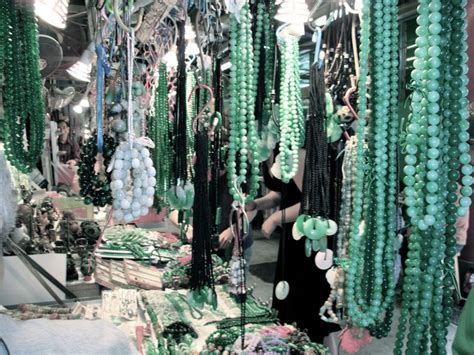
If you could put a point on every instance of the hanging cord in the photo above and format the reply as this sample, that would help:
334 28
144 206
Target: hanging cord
130 58
102 70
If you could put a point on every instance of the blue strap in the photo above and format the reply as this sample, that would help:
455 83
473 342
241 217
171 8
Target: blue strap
102 70
317 48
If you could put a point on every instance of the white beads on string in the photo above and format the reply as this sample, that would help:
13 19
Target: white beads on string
133 182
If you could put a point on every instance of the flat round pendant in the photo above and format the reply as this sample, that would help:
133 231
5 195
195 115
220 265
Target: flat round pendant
296 233
282 290
324 260
332 227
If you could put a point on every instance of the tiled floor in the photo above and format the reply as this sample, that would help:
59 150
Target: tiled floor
261 273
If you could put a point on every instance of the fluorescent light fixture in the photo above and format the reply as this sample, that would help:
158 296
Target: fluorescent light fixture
53 12
81 70
293 12
77 109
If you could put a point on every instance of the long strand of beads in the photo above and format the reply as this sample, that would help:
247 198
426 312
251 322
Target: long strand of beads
291 119
370 283
269 55
382 328
160 133
458 152
436 135
242 119
23 101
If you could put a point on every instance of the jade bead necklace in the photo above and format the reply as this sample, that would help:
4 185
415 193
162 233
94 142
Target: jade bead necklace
22 95
291 119
437 161
243 132
160 130
369 287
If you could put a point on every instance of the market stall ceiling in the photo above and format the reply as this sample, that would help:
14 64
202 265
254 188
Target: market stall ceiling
72 40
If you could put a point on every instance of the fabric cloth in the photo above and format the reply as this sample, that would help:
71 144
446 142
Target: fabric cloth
71 150
464 340
308 286
43 336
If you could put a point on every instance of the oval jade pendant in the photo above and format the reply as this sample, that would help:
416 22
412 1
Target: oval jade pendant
282 290
296 233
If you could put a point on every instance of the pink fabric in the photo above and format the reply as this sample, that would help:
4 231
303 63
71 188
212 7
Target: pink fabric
353 339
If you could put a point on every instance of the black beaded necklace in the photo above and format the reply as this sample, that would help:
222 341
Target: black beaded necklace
316 177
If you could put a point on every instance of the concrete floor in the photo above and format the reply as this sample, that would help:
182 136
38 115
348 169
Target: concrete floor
261 274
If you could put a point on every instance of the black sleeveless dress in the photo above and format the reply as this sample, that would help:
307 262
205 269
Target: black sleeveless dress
309 288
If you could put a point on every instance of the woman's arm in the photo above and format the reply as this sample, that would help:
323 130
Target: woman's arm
270 200
276 219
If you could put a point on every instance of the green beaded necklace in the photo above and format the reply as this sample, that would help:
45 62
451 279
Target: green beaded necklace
95 188
437 151
160 130
23 100
370 285
291 118
243 132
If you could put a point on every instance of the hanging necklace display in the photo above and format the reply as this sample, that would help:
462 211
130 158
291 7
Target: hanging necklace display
24 115
202 276
133 176
95 183
181 195
216 156
290 115
314 222
242 126
97 151
369 287
437 158
160 130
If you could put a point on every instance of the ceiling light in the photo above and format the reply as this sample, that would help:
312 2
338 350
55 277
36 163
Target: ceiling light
53 12
81 70
77 109
293 12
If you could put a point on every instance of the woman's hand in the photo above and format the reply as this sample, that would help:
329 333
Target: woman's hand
225 238
270 224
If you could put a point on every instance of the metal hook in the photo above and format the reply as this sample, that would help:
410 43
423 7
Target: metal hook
122 24
209 104
347 96
280 29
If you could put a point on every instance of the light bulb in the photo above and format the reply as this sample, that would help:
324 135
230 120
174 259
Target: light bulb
192 49
189 33
84 102
170 58
81 70
53 12
293 12
77 109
